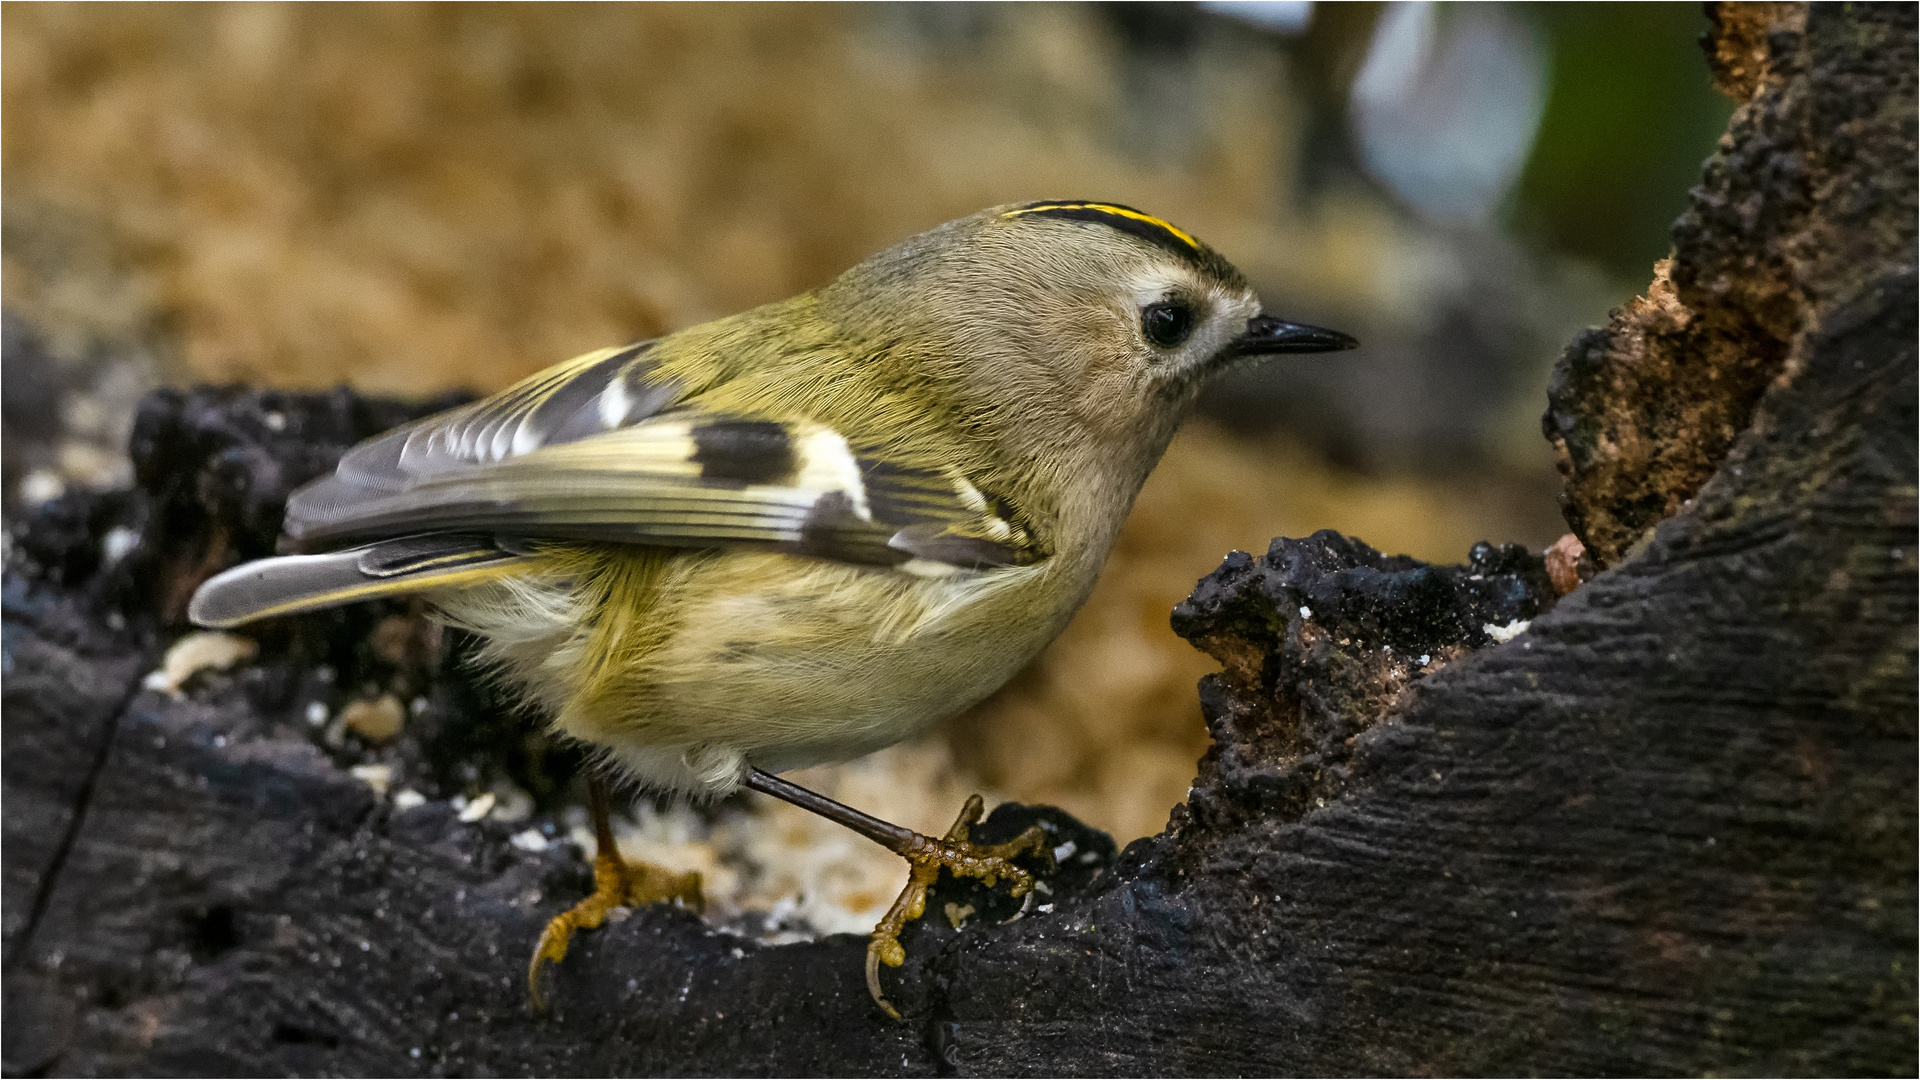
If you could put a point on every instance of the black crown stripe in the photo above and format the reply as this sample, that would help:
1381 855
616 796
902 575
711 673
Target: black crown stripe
1126 219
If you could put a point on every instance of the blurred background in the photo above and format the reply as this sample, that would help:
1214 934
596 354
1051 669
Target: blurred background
409 198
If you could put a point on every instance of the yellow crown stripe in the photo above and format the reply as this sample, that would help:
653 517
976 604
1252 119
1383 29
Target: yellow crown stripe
1116 211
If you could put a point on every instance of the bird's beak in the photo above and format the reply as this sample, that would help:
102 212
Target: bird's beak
1269 336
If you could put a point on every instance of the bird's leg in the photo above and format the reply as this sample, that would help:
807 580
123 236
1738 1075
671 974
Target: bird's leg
617 883
925 856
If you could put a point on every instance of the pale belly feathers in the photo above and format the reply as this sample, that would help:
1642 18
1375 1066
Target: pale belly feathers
769 660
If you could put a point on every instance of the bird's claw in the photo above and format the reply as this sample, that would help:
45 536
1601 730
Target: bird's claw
960 857
617 883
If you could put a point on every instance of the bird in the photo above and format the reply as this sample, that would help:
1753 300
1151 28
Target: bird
801 533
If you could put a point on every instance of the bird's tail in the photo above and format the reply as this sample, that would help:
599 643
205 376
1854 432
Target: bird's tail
295 583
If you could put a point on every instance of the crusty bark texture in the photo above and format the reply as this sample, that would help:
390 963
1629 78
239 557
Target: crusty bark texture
1809 199
1450 823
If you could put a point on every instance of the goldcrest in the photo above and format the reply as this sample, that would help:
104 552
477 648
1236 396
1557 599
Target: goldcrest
801 533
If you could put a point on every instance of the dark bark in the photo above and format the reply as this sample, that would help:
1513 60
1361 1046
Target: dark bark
1670 828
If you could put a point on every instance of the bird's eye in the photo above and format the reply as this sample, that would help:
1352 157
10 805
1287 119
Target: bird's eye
1166 323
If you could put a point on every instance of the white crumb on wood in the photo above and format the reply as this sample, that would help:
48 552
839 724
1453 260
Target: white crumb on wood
1508 632
376 721
118 543
478 808
511 804
377 777
207 650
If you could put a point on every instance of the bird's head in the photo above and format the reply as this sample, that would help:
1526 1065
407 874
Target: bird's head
1075 312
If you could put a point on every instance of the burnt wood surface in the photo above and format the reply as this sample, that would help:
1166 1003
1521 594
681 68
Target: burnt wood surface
1667 827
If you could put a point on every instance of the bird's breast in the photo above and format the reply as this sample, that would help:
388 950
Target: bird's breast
797 661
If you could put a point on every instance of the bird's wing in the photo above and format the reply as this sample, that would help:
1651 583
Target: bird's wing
599 392
601 448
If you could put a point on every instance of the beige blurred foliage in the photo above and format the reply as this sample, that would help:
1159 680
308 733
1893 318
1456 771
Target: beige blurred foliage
408 197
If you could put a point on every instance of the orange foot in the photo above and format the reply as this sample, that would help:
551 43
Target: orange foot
617 883
926 855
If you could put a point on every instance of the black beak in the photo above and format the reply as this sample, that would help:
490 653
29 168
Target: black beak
1268 336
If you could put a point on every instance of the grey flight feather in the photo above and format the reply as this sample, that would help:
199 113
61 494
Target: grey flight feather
295 583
